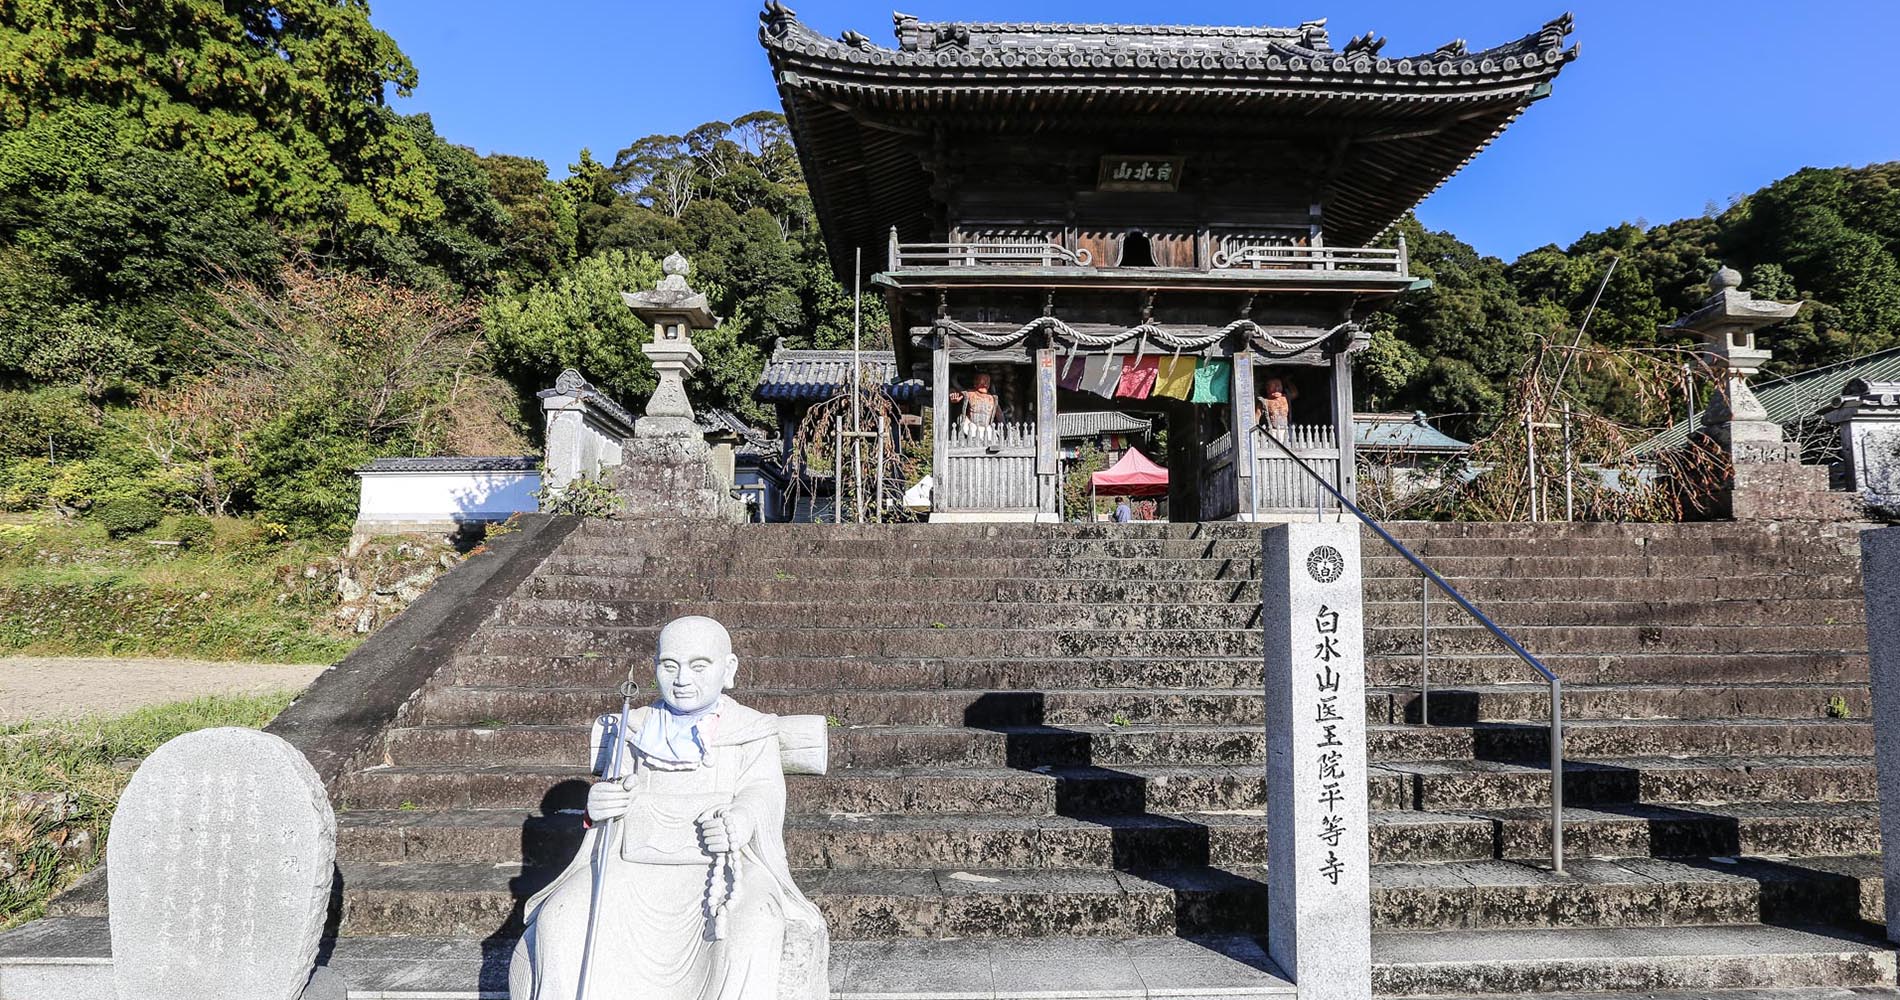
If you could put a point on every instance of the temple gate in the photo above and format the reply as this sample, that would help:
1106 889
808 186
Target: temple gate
1181 221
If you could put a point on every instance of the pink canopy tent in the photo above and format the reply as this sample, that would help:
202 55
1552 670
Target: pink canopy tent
1133 476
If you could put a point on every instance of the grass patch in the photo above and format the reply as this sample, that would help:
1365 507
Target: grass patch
60 780
69 589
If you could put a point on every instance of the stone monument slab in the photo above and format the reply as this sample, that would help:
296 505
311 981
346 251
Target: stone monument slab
1880 576
1318 863
221 856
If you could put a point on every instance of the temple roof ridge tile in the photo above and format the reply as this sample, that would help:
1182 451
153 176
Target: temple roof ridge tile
1141 49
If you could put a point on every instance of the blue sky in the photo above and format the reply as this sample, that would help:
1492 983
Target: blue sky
1674 105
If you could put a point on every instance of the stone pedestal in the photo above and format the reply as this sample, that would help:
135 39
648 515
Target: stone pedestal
1880 575
1318 863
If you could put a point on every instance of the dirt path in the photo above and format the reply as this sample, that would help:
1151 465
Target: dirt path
65 687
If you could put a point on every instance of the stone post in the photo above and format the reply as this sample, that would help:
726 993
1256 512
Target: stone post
1868 415
1319 905
1880 576
667 467
1762 477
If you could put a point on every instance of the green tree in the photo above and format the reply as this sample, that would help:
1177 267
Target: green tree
282 101
578 321
102 243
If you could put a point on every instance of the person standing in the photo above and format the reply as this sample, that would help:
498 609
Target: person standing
1123 512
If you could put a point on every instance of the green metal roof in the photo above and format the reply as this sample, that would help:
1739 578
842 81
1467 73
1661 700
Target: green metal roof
1402 432
1793 398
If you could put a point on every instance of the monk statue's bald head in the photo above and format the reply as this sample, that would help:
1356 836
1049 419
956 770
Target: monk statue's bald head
694 663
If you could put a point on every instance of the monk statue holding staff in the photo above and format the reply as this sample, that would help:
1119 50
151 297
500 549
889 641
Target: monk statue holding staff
696 900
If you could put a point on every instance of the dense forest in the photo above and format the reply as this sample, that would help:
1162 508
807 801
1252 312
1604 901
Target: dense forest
230 273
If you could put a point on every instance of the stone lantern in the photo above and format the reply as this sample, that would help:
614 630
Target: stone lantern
674 311
1726 325
668 471
1762 477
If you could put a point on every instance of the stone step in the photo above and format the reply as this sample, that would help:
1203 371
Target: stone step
1791 531
1002 743
1448 671
1050 791
1501 668
694 562
1531 702
979 708
1160 613
1704 961
1030 640
780 545
1154 840
1740 962
870 746
889 642
1605 738
692 566
1130 789
1149 841
479 898
868 586
1459 785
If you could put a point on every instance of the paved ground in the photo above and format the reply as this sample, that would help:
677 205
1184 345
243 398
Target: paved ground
65 687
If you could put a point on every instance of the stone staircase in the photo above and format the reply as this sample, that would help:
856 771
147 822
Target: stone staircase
1051 736
1048 758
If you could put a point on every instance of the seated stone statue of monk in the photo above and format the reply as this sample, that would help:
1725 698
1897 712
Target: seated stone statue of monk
697 902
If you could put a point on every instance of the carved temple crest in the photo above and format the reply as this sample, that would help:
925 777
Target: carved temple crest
1454 49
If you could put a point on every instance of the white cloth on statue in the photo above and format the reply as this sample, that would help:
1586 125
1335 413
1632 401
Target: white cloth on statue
654 935
666 737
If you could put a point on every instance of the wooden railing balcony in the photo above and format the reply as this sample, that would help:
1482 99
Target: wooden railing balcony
986 254
1394 262
1228 258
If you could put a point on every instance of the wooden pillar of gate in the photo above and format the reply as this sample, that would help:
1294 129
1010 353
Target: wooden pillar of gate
939 424
1348 483
1048 462
1242 418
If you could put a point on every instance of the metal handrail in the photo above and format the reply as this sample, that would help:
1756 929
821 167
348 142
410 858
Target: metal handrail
1517 648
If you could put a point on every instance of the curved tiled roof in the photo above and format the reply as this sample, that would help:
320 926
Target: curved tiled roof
808 376
455 463
1091 424
853 105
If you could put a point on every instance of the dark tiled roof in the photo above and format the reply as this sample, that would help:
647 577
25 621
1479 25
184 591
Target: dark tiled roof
809 376
456 463
1401 432
855 106
1078 425
1793 398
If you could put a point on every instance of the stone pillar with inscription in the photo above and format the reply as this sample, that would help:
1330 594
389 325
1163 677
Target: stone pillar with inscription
666 470
1318 864
1759 475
